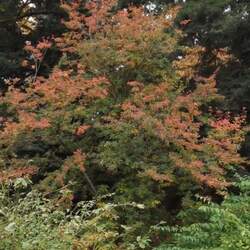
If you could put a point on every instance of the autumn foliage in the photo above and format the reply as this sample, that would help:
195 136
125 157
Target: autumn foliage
119 108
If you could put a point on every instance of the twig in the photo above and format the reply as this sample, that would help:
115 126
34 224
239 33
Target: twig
90 182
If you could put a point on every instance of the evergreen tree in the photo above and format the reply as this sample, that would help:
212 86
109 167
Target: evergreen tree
222 26
22 21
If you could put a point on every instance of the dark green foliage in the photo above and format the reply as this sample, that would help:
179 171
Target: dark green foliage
223 24
219 24
22 21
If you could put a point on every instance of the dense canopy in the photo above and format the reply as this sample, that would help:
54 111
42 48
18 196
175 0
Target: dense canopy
124 124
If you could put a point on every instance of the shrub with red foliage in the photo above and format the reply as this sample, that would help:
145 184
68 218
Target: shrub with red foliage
120 105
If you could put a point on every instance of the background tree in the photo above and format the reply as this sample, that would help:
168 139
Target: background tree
23 21
218 26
